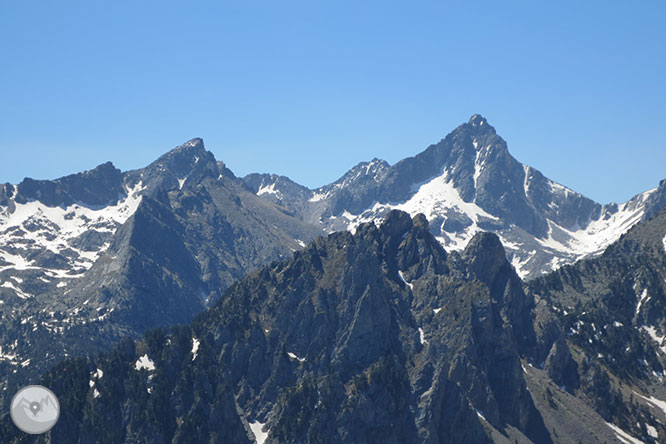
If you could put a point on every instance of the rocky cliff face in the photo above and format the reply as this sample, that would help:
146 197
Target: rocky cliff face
612 313
94 257
382 336
371 337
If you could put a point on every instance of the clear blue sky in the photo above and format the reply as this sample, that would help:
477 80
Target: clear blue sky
309 88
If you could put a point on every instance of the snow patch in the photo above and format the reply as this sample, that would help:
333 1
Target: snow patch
257 429
644 298
36 225
410 285
652 431
434 198
20 293
270 189
316 197
422 337
293 356
624 436
660 340
656 403
144 362
526 181
195 348
599 233
479 164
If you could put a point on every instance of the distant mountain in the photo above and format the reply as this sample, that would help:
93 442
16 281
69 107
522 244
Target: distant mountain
467 183
379 336
90 258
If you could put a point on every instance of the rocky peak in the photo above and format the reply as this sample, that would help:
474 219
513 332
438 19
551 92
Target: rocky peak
184 163
397 223
485 256
478 121
100 186
183 158
363 171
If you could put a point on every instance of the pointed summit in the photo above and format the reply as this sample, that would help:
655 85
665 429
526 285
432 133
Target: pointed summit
477 120
191 148
184 162
479 124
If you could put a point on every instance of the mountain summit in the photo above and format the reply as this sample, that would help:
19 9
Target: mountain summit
478 121
96 256
408 323
466 183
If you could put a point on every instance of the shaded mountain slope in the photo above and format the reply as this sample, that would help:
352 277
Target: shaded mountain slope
612 311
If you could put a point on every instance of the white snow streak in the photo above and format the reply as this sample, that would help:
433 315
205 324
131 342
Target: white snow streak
293 356
657 403
644 298
624 436
410 285
422 336
257 430
21 294
195 348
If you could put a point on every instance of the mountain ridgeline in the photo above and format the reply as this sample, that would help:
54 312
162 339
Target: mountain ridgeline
91 258
457 296
467 183
383 336
379 336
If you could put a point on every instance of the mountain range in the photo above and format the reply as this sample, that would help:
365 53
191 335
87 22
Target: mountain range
97 256
383 336
467 183
458 290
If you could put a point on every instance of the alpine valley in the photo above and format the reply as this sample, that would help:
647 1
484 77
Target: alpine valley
457 296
